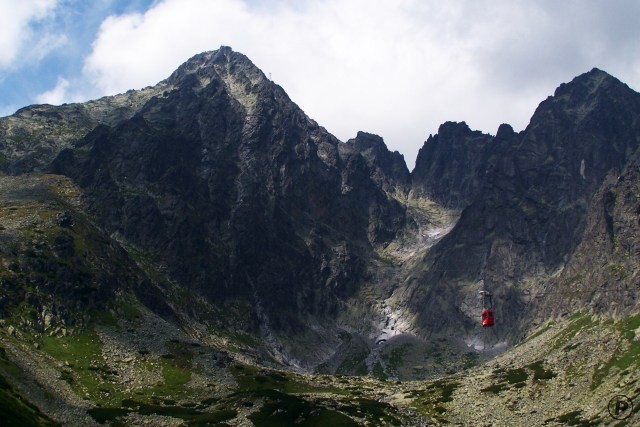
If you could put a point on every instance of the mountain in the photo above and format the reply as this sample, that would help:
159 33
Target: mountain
233 188
202 250
531 200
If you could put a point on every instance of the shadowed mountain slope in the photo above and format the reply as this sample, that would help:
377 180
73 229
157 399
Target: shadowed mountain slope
232 187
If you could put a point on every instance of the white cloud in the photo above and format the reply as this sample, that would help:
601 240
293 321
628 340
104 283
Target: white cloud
45 45
15 31
136 50
398 68
57 95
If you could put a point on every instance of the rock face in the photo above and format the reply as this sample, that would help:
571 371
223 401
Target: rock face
451 165
602 273
387 169
526 206
232 187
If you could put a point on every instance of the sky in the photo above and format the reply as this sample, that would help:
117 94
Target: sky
396 68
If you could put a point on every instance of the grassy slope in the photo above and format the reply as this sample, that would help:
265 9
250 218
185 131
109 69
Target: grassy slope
565 374
14 409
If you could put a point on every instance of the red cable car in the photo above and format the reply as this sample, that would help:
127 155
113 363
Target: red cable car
487 316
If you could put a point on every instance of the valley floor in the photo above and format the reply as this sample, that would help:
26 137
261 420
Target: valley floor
581 370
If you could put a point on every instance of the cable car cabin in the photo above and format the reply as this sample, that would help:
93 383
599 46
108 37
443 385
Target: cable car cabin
487 318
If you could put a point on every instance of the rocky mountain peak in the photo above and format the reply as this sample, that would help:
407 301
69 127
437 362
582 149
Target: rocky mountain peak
387 168
505 131
242 80
235 188
587 83
450 164
209 62
369 144
594 94
451 129
532 190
